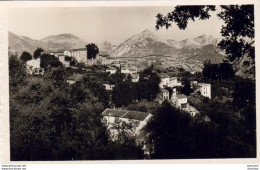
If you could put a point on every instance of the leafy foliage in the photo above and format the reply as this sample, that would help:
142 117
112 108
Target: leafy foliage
26 56
37 53
48 60
237 32
92 50
175 135
222 71
51 120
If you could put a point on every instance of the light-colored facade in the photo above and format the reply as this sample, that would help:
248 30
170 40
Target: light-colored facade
180 101
109 87
164 81
80 55
67 53
173 82
163 95
191 110
111 70
74 78
63 61
204 89
117 118
33 67
135 78
167 81
126 70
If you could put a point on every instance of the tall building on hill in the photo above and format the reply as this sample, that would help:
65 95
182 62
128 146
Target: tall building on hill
80 55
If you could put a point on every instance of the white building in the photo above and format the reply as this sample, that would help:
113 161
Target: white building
74 78
128 70
203 88
33 67
163 95
191 110
109 87
164 81
180 100
63 61
67 53
135 78
80 54
111 70
116 118
173 82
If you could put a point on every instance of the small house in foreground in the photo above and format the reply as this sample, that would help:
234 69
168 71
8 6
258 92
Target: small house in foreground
33 67
111 70
74 78
118 121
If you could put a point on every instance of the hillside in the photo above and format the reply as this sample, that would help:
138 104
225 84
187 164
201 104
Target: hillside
188 53
50 43
143 44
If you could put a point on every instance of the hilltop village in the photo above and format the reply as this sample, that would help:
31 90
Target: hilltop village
115 71
125 97
171 95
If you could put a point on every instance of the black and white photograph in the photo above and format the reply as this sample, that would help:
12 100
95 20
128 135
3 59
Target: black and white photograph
103 83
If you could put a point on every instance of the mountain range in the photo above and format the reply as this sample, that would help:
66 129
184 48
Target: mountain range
146 43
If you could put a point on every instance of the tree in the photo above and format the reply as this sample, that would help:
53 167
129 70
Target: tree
210 71
17 72
123 94
187 87
26 56
37 53
237 32
48 60
222 71
225 71
244 94
169 132
92 51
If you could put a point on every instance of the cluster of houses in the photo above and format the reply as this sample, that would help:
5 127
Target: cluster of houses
119 117
177 99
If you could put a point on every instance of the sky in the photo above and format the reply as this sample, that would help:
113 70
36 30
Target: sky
97 24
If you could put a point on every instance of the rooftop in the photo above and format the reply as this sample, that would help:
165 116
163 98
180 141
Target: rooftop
164 91
103 53
135 76
164 76
136 115
128 114
202 84
75 77
181 96
111 68
113 113
80 49
173 78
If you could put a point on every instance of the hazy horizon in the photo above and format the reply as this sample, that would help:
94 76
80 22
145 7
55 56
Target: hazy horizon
98 24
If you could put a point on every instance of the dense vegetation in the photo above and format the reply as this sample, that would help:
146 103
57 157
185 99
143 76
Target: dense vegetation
147 88
50 120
